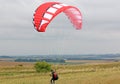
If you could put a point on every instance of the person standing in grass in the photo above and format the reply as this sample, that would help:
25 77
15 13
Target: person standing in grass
54 76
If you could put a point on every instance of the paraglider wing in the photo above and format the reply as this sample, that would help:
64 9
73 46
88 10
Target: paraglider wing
47 11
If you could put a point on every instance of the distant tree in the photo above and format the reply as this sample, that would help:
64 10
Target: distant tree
42 66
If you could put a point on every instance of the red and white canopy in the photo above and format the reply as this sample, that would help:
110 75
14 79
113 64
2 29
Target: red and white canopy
47 11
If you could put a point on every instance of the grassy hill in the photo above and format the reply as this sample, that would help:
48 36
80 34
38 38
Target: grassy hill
95 73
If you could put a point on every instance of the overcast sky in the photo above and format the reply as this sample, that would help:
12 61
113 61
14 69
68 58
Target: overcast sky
100 32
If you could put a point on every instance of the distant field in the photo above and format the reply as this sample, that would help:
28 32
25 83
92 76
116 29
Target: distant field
93 73
90 61
12 64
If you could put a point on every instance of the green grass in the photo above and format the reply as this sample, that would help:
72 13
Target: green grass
108 73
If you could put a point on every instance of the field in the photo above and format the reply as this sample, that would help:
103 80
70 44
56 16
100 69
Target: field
90 73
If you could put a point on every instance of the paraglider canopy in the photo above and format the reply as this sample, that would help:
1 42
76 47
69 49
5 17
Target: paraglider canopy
46 12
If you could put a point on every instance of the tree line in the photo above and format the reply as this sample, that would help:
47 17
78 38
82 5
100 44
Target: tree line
34 60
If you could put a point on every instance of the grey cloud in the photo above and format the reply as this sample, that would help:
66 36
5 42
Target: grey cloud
100 32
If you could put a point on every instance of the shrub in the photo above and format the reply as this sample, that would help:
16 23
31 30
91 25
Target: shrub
42 66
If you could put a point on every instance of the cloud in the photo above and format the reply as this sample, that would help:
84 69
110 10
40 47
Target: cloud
100 32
